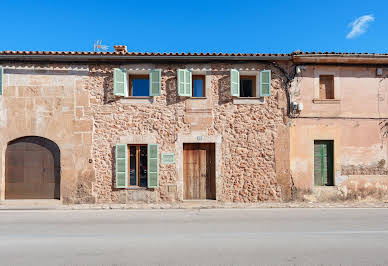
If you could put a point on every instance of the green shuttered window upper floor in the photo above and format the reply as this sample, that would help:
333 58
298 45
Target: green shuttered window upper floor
264 79
184 82
121 84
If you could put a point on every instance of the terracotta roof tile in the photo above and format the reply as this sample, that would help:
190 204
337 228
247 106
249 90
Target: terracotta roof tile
195 54
135 53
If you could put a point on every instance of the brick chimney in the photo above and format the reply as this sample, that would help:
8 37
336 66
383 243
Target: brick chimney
120 48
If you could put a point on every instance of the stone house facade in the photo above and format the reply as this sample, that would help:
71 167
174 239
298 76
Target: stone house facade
123 127
126 127
341 125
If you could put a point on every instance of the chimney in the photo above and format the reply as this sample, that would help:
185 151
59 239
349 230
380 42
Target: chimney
120 48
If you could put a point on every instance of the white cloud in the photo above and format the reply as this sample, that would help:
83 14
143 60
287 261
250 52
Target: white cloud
359 26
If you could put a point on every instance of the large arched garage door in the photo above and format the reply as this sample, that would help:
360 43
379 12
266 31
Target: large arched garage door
32 169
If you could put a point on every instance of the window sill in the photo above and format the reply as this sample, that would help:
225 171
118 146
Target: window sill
248 100
327 101
138 188
198 98
137 100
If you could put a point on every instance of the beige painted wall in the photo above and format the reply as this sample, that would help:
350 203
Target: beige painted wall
49 101
352 122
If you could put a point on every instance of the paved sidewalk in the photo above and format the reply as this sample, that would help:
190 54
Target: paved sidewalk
57 205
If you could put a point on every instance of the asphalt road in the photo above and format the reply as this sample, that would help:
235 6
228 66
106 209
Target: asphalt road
195 237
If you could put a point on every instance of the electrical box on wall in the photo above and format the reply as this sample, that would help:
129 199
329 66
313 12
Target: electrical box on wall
299 69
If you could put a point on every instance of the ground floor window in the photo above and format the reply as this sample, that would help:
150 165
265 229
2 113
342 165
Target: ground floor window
323 163
137 165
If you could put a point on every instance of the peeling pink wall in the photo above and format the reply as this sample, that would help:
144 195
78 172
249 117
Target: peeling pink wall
351 120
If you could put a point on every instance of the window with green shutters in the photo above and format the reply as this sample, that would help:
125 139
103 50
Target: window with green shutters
153 166
137 165
155 82
323 163
121 81
120 84
1 81
234 83
265 83
184 79
121 165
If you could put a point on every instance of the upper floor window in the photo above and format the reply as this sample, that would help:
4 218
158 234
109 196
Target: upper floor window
247 86
146 84
139 85
326 87
198 86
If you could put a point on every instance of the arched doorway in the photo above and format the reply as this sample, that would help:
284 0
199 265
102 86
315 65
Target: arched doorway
32 169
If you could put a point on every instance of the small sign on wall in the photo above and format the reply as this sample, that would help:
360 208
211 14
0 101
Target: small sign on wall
168 158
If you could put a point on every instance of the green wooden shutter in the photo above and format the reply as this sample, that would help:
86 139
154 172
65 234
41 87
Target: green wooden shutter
188 86
265 83
1 81
181 82
120 82
184 82
153 166
234 82
323 163
318 165
121 165
155 82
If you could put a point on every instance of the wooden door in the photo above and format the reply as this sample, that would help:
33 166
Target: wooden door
31 171
198 171
323 163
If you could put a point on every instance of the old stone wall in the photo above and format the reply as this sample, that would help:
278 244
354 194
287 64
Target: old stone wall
245 134
50 101
74 106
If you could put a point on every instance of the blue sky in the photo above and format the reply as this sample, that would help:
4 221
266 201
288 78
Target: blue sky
193 26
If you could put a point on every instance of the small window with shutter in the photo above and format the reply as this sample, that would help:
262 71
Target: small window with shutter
134 85
137 165
250 84
198 86
139 85
247 86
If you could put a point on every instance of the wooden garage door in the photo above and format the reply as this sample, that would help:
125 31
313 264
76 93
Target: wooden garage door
199 171
32 169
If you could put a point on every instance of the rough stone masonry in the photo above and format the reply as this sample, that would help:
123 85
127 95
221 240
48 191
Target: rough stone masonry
73 105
